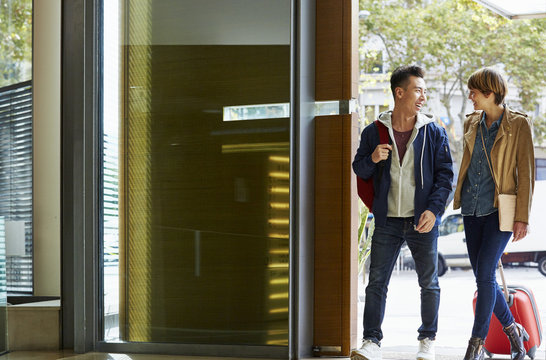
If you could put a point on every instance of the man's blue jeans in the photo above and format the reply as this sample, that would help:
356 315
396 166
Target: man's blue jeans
485 244
386 243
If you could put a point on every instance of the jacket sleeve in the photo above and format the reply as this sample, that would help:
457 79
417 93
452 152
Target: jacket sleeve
363 166
463 166
443 175
525 163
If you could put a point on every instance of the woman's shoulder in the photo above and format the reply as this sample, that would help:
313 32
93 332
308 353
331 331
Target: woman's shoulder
518 118
473 117
517 114
477 114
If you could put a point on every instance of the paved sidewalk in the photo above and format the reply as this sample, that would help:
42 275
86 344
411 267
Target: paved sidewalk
402 315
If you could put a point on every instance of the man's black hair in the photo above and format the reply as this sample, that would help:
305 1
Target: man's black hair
401 75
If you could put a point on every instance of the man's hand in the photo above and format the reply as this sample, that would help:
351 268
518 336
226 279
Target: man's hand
520 230
426 222
381 152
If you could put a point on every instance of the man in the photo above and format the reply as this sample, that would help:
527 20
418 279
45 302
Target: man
412 181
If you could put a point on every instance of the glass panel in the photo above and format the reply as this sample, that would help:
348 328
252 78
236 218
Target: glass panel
3 290
16 142
540 169
196 171
369 114
15 155
16 184
16 44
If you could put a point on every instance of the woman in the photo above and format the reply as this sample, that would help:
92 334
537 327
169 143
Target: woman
498 158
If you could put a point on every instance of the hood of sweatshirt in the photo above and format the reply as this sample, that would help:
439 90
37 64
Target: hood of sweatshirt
422 119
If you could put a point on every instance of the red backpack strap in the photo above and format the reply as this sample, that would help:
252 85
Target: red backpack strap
365 187
383 132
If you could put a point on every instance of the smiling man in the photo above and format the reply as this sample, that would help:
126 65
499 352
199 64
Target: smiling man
412 181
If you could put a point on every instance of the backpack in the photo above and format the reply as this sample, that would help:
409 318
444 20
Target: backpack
365 187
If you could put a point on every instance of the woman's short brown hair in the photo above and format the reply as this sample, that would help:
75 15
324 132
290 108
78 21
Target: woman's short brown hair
488 81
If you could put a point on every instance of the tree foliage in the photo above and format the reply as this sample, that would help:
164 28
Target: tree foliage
453 38
15 41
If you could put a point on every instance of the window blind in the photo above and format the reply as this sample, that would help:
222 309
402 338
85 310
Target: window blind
16 180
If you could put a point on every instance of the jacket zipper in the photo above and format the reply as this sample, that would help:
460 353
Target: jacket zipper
399 190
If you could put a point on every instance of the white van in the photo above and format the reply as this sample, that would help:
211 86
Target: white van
452 251
532 249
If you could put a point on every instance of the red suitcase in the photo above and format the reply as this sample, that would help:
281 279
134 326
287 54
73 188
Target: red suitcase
523 306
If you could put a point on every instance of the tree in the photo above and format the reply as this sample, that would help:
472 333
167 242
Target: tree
453 38
15 41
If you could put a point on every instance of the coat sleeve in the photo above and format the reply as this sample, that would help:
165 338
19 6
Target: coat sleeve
363 166
443 175
525 163
463 166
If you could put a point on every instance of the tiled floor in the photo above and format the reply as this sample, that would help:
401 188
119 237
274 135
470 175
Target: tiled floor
67 355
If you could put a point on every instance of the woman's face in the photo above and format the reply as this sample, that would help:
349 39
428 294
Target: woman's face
479 99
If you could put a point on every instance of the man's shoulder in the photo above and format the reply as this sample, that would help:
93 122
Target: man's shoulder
373 127
436 128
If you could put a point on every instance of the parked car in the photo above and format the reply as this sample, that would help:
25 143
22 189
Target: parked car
532 249
409 264
451 244
451 241
529 251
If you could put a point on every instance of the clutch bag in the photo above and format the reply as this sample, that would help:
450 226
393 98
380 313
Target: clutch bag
507 211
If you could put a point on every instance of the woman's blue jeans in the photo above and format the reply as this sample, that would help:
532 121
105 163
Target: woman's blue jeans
386 243
485 244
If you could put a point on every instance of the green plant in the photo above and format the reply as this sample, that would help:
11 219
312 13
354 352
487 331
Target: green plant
451 39
364 240
15 41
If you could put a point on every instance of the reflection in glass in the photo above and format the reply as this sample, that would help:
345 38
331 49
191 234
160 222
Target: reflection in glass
16 44
196 205
16 184
3 290
254 112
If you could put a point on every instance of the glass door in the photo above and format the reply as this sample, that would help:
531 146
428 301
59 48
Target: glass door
196 139
3 291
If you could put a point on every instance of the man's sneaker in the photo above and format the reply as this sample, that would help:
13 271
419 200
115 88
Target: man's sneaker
368 351
426 349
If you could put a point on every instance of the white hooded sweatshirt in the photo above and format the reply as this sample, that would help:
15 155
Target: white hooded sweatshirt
402 189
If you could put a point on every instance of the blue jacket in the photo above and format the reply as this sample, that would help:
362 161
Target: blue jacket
433 171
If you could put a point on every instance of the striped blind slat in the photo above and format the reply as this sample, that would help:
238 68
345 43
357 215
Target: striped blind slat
16 178
110 201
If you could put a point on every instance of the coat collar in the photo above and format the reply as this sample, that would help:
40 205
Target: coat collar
475 117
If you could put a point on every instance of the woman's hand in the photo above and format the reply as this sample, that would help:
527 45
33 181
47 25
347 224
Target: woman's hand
520 230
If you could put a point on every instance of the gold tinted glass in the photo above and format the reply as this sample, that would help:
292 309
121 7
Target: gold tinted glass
196 122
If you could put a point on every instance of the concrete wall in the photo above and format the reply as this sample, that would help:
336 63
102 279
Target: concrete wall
220 22
47 147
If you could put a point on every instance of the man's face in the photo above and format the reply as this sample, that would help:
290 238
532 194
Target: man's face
413 98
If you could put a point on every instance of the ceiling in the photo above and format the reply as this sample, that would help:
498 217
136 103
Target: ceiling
522 9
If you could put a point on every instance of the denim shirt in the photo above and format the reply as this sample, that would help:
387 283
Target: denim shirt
478 192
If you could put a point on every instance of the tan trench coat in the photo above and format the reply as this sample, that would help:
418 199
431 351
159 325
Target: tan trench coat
512 158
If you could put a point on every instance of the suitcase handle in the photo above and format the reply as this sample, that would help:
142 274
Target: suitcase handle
504 286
